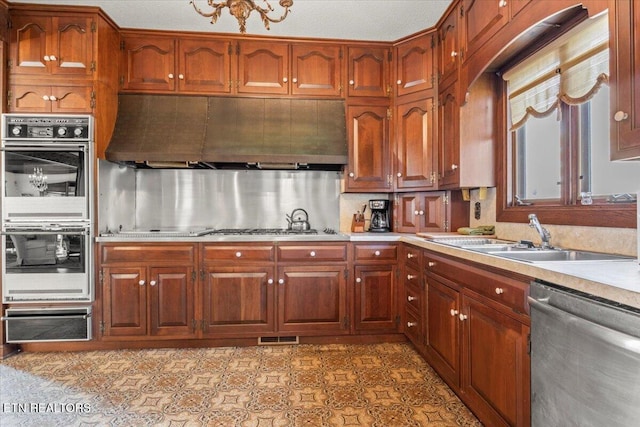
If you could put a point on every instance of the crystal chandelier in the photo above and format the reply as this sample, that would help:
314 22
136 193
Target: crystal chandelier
241 9
38 180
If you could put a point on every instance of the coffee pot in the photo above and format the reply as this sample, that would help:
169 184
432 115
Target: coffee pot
380 216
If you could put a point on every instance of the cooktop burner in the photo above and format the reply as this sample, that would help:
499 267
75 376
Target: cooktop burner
261 231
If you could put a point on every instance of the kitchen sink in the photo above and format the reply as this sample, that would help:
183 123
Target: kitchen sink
537 255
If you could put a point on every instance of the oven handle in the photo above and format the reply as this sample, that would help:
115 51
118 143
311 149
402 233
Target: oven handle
69 316
56 147
45 231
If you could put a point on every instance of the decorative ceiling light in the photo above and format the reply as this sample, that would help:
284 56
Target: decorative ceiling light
241 9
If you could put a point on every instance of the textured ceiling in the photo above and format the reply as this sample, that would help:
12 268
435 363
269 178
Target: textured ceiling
385 20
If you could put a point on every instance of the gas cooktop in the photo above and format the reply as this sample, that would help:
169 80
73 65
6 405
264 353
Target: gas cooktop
268 231
169 232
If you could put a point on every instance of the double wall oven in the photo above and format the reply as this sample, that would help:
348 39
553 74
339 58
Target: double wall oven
47 269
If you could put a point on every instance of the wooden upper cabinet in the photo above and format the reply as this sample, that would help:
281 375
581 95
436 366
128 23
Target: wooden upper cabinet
148 64
369 72
263 68
414 65
449 137
204 66
625 73
316 70
483 19
369 167
50 99
57 46
415 146
449 46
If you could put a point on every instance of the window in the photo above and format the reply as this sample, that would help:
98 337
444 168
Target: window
557 147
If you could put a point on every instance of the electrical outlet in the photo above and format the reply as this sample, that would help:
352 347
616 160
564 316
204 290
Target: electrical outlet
477 210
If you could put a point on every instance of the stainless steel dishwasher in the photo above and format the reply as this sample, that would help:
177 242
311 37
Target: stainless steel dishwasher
585 359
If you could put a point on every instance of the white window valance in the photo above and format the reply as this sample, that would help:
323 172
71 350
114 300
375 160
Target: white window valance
571 69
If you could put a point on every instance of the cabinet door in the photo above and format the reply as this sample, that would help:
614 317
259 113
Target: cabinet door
483 19
434 216
375 298
407 213
316 70
443 330
369 151
625 92
369 72
312 300
48 99
449 137
238 300
449 47
29 44
124 302
263 68
72 45
495 363
414 65
172 301
204 66
149 64
415 145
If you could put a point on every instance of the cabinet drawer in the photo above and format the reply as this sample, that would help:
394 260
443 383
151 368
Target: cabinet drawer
312 253
501 288
413 297
413 327
412 256
376 252
171 254
239 253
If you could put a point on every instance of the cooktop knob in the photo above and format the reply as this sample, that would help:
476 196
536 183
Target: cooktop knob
16 130
77 131
62 131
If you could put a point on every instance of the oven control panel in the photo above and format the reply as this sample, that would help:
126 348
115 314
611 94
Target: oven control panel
47 127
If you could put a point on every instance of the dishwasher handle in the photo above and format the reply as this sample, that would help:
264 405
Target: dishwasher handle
605 334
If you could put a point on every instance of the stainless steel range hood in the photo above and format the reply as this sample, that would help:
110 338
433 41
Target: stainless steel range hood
219 132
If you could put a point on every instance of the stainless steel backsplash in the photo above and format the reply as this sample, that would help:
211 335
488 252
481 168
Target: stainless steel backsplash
161 198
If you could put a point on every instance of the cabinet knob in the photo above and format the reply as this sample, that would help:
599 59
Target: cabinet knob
358 280
284 79
46 58
502 3
411 298
431 264
351 174
420 212
238 254
416 212
454 167
312 253
462 317
411 324
52 57
53 98
281 281
295 80
620 116
453 312
45 97
499 291
270 281
399 82
410 256
351 82
399 175
152 283
141 283
454 53
181 76
377 253
410 277
170 75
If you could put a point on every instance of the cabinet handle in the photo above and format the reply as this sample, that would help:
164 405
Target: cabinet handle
499 291
52 57
410 277
454 53
420 212
503 3
416 212
454 167
620 116
270 281
351 174
141 283
454 312
312 253
358 280
462 317
53 98
399 82
377 253
294 80
410 256
238 254
46 58
284 79
281 281
181 76
45 97
411 324
411 298
152 283
351 82
170 75
431 264
399 175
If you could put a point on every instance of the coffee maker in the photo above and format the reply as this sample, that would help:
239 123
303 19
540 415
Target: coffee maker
380 216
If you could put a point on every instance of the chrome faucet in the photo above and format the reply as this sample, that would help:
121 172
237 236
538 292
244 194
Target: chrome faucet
545 236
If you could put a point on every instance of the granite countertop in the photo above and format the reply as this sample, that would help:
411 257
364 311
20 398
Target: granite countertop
615 280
